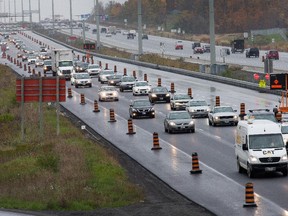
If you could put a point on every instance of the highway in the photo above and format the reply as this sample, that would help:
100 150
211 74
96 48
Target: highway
220 188
152 45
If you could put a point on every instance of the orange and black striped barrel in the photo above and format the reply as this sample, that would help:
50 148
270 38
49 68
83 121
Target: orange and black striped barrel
242 111
106 66
195 164
17 62
130 127
156 144
134 73
29 69
33 71
217 101
159 81
145 77
20 65
124 72
172 87
96 107
112 116
25 67
82 99
115 69
78 57
92 60
189 92
249 195
278 116
100 63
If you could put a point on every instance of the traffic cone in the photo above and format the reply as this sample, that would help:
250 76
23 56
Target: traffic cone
249 196
195 164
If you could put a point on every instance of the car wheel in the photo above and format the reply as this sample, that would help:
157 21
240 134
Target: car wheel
213 123
121 89
192 130
100 99
250 171
239 168
209 121
71 83
169 130
285 171
90 85
102 82
165 129
76 86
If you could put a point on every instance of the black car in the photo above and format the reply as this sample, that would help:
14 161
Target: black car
145 36
252 52
81 67
130 36
114 80
159 93
141 108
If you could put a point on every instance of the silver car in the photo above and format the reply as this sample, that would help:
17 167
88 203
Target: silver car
179 101
179 121
224 115
103 75
198 108
108 93
93 70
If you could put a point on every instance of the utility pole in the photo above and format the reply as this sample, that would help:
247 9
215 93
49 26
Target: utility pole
30 15
15 10
53 17
71 26
98 26
39 11
212 36
140 50
22 8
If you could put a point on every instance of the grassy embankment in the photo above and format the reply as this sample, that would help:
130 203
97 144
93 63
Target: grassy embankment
65 172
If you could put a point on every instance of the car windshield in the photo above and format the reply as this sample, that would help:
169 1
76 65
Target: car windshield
83 65
65 63
223 109
197 103
107 88
181 97
93 66
114 77
266 141
141 84
107 72
284 129
159 89
267 116
47 62
32 56
179 115
141 103
128 79
82 76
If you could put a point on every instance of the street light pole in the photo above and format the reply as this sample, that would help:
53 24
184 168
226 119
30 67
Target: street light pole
39 10
53 16
97 24
212 36
30 14
140 51
15 10
71 27
22 8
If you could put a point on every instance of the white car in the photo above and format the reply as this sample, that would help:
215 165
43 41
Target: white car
81 79
108 34
103 75
222 115
94 70
31 59
141 88
39 63
198 108
108 93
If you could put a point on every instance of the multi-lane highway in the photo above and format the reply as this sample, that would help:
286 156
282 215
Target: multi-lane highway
220 188
152 45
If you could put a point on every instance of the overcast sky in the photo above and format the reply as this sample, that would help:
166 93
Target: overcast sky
61 7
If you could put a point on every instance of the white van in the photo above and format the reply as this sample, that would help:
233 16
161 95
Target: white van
259 147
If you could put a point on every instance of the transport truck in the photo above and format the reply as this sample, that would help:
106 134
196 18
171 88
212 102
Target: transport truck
62 62
259 147
237 46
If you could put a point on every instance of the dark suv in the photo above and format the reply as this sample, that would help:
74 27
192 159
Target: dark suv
252 52
141 108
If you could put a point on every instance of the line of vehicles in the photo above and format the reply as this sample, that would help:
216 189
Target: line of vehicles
260 140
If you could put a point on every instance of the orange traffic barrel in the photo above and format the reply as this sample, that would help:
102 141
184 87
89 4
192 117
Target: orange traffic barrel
92 60
106 66
69 93
124 72
78 57
112 116
242 111
100 63
134 73
20 64
96 107
145 77
17 62
156 145
189 92
217 101
278 116
195 164
83 58
82 99
11 59
172 87
115 69
33 71
87 60
29 69
263 58
130 127
159 81
25 67
249 196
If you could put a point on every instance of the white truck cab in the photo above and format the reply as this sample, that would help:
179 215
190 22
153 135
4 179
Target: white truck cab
259 147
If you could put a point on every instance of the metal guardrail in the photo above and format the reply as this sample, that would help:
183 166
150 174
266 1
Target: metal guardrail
211 77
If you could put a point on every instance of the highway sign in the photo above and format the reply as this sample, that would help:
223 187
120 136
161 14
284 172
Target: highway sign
278 81
89 46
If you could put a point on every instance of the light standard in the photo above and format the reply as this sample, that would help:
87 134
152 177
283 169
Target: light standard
212 36
140 51
71 26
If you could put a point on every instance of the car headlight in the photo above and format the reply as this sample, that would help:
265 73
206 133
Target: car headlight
153 95
191 110
172 123
114 94
191 123
235 117
208 110
216 118
167 95
102 94
284 158
253 158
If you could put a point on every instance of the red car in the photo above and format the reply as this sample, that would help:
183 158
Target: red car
272 54
179 45
198 50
